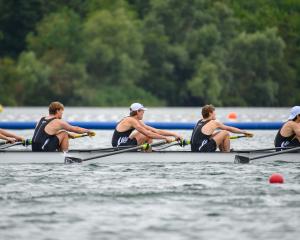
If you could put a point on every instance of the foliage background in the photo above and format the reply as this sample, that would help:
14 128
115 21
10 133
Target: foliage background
159 52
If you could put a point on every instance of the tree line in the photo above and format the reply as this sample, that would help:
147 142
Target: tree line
159 52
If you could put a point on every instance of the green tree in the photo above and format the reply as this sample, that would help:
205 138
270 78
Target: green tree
180 37
35 80
8 81
113 51
253 61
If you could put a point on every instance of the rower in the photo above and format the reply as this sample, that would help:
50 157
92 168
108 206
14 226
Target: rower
289 134
51 134
205 138
132 131
10 137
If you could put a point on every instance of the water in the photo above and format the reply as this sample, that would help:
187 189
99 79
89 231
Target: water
150 201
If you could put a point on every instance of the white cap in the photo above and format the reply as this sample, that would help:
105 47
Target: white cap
294 112
137 106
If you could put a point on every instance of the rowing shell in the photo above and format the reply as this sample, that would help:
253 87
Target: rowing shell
26 156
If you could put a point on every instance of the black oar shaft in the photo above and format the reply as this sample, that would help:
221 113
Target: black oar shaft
71 159
113 153
246 159
276 153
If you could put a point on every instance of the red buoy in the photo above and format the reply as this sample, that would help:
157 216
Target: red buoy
232 116
276 178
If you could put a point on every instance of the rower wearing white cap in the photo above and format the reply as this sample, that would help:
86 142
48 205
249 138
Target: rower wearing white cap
131 131
289 134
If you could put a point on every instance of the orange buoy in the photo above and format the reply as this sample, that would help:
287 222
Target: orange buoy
232 116
276 178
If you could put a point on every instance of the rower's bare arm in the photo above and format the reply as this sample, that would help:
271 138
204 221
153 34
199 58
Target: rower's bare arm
142 128
9 139
10 135
164 132
66 126
232 129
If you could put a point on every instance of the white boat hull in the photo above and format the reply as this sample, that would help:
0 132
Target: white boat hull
24 157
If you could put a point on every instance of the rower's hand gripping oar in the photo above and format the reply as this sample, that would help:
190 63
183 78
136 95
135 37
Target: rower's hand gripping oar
144 146
245 159
89 134
25 143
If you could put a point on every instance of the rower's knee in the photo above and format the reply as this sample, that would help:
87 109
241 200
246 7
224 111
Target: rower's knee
225 133
63 136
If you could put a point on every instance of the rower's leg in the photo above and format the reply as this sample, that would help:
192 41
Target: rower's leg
63 141
222 140
140 138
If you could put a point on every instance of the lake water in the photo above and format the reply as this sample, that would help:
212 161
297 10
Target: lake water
150 201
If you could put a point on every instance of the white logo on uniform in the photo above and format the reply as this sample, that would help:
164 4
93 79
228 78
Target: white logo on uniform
203 143
122 140
284 144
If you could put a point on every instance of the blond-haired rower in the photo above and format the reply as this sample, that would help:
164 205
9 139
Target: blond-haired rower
205 138
52 133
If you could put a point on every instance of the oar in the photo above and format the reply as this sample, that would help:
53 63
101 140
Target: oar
109 149
90 134
181 143
245 159
240 136
25 143
145 146
258 150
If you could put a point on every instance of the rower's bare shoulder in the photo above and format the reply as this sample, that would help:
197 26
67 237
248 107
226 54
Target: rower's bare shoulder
60 123
128 122
216 123
293 125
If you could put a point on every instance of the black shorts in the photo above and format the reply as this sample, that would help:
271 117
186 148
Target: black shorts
50 145
294 143
209 146
129 142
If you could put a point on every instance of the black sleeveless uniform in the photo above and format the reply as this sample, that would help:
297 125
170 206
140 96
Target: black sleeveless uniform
42 141
201 142
122 138
281 141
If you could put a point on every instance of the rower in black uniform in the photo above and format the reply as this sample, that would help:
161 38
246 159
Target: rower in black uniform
289 134
52 133
205 138
132 131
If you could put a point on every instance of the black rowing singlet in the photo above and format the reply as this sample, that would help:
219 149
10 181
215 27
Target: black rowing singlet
121 138
281 141
199 139
42 141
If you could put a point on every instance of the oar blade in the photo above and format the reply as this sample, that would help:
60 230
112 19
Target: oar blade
69 159
241 159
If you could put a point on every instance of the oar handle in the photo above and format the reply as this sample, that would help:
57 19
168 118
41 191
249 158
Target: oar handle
89 134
